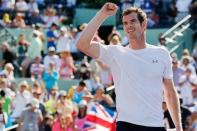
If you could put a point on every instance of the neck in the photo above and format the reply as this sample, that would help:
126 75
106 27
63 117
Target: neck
137 43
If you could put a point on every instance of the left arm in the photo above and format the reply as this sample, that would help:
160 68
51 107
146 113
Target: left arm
173 104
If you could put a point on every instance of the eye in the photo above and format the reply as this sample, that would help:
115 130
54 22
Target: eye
124 23
133 21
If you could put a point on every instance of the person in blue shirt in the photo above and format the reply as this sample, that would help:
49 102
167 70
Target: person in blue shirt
50 77
79 92
52 36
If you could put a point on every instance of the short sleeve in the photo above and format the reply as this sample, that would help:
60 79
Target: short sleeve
105 54
168 73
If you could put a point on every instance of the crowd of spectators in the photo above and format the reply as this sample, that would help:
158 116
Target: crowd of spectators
41 104
24 13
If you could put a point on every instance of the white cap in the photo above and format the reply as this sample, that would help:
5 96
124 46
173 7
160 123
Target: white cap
51 48
62 93
63 28
35 103
24 83
82 103
36 32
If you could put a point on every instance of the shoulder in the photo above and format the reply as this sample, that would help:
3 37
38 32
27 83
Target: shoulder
160 50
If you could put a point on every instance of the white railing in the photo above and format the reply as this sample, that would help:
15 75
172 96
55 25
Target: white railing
176 26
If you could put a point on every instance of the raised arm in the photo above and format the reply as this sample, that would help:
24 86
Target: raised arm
84 43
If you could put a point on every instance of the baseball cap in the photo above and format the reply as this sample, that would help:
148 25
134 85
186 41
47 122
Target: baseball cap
82 104
62 93
87 95
51 48
35 103
63 28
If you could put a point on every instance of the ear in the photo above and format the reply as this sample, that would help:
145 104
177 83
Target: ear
144 25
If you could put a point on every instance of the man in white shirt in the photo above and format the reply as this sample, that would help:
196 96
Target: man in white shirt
139 72
51 57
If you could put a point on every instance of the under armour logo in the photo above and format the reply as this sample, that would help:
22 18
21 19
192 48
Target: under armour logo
154 61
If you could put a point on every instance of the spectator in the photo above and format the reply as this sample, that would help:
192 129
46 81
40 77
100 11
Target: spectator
3 117
9 74
50 77
35 18
115 39
186 83
33 51
50 104
67 67
6 20
51 57
178 72
22 47
23 97
5 87
50 17
148 5
7 103
37 69
162 40
52 36
77 55
64 123
79 92
37 92
103 98
64 105
63 42
32 7
104 74
88 97
125 4
7 5
48 122
38 28
70 6
186 64
19 21
21 6
186 116
183 8
81 118
153 19
31 117
8 55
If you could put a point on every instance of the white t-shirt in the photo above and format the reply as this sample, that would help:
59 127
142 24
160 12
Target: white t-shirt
63 44
138 76
21 6
55 59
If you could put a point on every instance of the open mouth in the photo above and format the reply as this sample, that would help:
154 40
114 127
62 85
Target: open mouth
130 30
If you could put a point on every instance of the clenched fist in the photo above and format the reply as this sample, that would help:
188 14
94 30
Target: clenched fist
109 9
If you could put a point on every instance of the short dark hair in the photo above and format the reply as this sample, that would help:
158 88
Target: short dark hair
82 84
141 15
2 93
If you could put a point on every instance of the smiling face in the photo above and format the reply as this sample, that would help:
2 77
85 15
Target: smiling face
134 22
132 26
